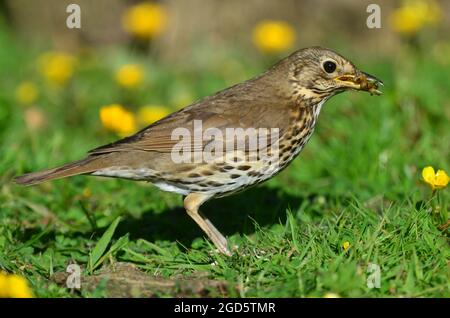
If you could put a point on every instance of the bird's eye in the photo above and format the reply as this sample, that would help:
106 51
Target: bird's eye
329 66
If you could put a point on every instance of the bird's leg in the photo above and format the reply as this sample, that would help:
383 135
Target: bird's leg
192 203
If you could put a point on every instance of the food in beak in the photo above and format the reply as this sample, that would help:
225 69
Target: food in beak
364 82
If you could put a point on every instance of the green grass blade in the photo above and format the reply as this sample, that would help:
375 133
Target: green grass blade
118 245
102 244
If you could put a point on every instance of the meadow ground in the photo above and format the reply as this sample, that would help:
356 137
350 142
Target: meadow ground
357 181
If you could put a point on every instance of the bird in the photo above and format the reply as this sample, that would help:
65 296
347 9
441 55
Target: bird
207 149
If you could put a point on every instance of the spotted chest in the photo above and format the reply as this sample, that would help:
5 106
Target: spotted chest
289 146
301 131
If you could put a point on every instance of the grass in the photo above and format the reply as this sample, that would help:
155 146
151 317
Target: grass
357 181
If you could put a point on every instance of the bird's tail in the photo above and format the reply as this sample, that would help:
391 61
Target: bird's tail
84 166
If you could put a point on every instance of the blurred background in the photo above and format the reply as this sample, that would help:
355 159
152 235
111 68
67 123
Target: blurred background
132 62
175 27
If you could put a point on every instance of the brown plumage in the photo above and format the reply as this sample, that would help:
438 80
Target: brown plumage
287 98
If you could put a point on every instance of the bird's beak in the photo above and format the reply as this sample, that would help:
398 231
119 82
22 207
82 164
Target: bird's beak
361 81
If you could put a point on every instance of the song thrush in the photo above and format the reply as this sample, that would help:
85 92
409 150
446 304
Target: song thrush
287 99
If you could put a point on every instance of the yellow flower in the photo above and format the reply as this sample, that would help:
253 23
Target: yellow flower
145 20
436 180
150 113
273 36
130 75
331 295
87 193
26 92
14 286
116 118
414 15
346 245
57 67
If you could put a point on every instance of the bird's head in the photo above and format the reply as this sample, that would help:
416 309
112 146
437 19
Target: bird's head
322 72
